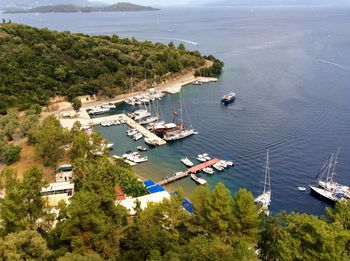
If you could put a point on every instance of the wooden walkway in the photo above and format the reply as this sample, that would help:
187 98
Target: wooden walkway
192 170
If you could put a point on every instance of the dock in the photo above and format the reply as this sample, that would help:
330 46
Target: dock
189 171
68 123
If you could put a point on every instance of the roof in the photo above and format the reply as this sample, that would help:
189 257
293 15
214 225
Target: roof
130 203
58 186
149 183
155 189
120 195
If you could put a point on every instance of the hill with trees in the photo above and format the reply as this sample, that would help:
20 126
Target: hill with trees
69 8
36 64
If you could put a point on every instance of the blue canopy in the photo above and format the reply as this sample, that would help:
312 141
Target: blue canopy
187 205
155 189
149 183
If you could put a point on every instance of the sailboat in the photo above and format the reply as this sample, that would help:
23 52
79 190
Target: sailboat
263 201
182 132
327 188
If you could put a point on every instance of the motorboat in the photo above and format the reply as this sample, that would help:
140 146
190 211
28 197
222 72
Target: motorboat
187 162
197 178
178 173
130 101
98 110
218 166
223 163
229 163
228 98
263 201
138 159
108 105
148 120
201 158
141 148
130 153
138 136
131 132
302 189
208 170
206 156
197 82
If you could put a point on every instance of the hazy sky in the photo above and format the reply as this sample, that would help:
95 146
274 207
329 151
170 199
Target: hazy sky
162 2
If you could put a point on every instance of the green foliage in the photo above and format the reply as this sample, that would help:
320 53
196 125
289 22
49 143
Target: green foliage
181 47
31 119
22 206
48 140
9 123
24 245
76 104
11 154
37 64
213 71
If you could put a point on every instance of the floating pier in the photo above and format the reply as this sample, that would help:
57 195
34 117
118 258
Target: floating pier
189 171
68 123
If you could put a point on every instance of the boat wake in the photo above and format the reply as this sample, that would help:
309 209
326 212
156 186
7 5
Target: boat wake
180 40
335 64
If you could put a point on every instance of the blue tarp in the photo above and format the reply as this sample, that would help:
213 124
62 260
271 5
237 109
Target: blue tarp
155 189
187 205
149 183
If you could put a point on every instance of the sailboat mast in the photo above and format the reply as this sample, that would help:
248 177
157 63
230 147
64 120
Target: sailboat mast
329 167
267 171
181 118
334 164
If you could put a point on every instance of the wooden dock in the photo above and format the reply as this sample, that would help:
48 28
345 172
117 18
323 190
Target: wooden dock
191 170
68 123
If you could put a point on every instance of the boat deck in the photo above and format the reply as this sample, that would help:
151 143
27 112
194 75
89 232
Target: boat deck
191 170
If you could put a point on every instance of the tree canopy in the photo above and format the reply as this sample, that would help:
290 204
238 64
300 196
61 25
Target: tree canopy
37 64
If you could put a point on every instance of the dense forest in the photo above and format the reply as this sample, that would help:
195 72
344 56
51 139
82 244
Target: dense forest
36 64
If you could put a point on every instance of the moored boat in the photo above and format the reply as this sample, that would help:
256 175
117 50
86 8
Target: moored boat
150 141
208 170
187 162
263 201
328 195
198 179
141 148
137 136
178 134
218 167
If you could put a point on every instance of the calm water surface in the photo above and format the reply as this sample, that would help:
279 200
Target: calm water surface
290 68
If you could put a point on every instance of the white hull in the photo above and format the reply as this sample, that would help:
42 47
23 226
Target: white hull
200 181
325 194
178 135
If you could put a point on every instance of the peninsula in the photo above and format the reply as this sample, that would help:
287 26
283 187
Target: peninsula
118 7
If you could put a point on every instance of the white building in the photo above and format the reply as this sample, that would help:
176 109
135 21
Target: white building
56 192
130 203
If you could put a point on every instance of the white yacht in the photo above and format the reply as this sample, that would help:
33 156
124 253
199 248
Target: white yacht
131 132
263 201
108 105
198 179
139 159
187 162
218 166
150 141
178 134
201 158
138 136
97 111
208 170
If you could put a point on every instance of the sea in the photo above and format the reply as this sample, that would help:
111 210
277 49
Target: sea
290 69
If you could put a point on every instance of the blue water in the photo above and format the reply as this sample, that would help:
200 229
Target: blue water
288 100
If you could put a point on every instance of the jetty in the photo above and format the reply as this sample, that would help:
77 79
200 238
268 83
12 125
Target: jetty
189 171
68 123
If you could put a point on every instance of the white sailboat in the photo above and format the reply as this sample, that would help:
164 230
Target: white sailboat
182 132
263 201
327 188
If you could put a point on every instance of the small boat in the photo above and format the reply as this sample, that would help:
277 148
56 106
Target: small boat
218 166
263 201
206 156
148 120
197 82
187 162
131 132
122 122
229 163
108 105
302 189
198 179
141 148
228 98
208 170
140 160
178 173
138 136
109 146
97 111
201 158
130 153
223 163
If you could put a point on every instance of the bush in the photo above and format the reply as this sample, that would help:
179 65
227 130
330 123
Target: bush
12 154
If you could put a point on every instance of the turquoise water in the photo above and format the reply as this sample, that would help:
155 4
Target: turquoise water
290 68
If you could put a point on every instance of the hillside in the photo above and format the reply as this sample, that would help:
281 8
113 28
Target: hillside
4 4
36 64
119 7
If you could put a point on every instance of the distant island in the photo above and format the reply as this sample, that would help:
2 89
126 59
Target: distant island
118 7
